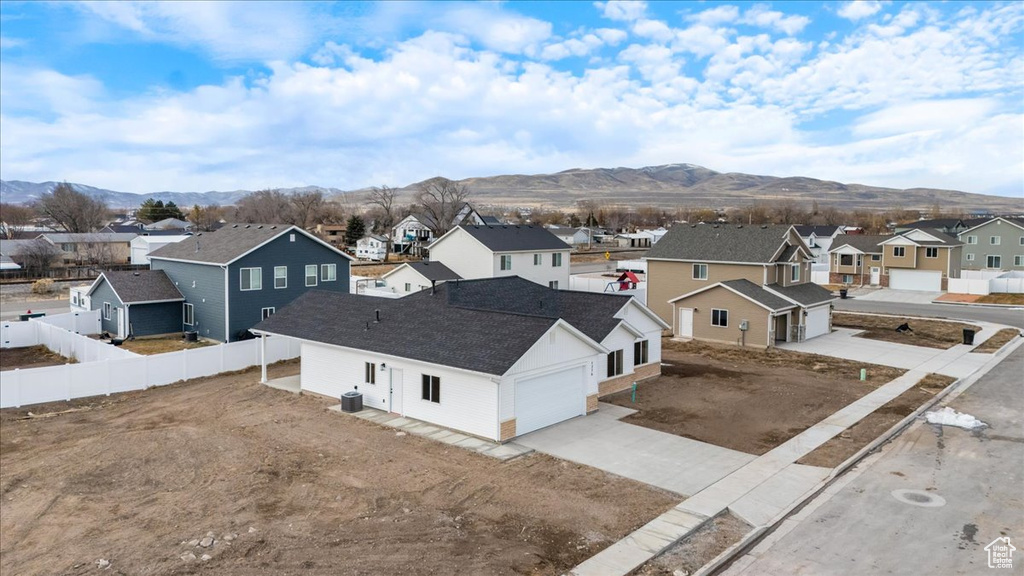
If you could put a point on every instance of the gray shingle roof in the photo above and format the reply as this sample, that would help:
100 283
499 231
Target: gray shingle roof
819 231
142 286
223 245
515 238
943 239
758 294
866 243
434 271
720 243
807 294
93 237
17 247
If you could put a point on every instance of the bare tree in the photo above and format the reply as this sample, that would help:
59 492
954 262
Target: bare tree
440 199
307 208
14 218
264 207
383 197
93 250
36 257
787 212
72 210
205 218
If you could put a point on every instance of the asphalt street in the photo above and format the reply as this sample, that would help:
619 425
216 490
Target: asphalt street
11 310
1008 316
966 490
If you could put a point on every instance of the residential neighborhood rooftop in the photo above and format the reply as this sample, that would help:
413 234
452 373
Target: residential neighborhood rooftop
515 238
141 286
720 243
758 294
806 294
93 237
224 245
434 271
806 230
866 243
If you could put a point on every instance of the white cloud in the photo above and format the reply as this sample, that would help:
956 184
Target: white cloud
760 15
627 10
859 9
653 29
7 43
500 31
702 40
719 15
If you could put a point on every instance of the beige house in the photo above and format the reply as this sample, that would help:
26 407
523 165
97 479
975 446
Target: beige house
103 248
856 260
920 260
747 285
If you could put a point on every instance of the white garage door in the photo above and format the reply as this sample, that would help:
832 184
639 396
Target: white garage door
817 322
923 280
545 400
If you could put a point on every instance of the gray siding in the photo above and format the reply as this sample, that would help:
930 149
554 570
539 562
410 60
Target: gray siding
149 319
103 293
246 307
1008 247
203 287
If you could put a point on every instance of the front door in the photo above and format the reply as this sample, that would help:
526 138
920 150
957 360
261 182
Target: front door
876 275
395 391
685 323
122 323
782 328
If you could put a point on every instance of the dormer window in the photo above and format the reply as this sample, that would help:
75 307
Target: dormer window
795 273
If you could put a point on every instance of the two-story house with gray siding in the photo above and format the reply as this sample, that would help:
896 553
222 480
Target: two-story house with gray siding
235 277
996 244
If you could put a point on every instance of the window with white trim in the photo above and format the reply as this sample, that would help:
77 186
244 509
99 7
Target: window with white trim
994 240
846 259
506 262
720 317
408 287
310 275
1022 240
538 259
700 271
370 373
556 259
188 315
847 278
931 252
266 313
969 257
280 276
794 275
553 284
106 310
1018 260
431 388
876 257
328 272
994 261
972 239
640 352
250 279
614 363
899 251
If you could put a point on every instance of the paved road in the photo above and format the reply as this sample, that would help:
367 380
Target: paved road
11 310
864 529
1009 316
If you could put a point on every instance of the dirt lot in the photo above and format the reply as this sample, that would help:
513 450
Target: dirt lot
699 548
930 333
998 340
161 344
285 487
1001 299
743 399
842 447
30 357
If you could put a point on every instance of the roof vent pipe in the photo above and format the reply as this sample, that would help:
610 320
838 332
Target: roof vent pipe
377 315
433 287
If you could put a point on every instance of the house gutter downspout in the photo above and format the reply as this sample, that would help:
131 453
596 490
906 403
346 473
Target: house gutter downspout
263 358
227 309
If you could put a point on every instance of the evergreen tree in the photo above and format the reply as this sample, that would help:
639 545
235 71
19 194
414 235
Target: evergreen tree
355 229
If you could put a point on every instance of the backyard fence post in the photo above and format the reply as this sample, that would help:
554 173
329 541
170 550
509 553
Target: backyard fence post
263 358
109 375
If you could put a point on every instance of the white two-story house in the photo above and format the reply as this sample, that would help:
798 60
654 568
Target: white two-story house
530 252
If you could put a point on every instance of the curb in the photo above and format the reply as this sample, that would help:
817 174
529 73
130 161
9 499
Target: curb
949 393
975 305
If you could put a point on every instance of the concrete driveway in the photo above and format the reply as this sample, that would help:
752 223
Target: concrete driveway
901 296
667 461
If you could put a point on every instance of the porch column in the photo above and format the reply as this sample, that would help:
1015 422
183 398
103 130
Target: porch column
263 358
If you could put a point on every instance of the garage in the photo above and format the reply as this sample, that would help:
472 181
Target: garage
921 280
549 398
816 322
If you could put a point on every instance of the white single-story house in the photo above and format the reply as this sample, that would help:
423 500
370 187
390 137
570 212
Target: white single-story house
574 237
496 358
141 246
371 247
415 276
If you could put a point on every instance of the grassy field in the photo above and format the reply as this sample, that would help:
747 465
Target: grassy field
161 344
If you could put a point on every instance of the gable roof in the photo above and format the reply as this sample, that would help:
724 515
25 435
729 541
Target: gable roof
433 271
938 238
868 244
139 286
721 243
230 243
806 294
819 231
490 220
168 223
1018 222
87 237
512 238
746 289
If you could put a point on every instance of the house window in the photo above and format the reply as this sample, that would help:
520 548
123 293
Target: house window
640 352
1022 240
994 240
506 261
614 363
266 313
847 278
994 261
311 275
371 373
931 252
280 276
553 284
846 259
538 259
432 388
719 317
68 247
876 257
1018 260
106 310
969 257
795 274
972 239
556 259
328 272
408 287
700 271
899 251
291 237
188 315
251 279
74 298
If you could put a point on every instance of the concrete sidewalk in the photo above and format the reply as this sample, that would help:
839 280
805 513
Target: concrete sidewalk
889 295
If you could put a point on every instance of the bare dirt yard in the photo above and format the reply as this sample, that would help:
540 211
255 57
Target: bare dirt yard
929 333
998 340
699 548
744 399
266 482
162 344
1001 298
847 443
29 357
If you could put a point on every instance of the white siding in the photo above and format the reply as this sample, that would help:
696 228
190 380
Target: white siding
332 371
543 274
397 280
619 339
652 330
463 255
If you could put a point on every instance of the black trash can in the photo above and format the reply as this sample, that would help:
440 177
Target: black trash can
191 336
842 293
968 336
352 401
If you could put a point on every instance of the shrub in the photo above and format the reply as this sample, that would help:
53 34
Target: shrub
42 286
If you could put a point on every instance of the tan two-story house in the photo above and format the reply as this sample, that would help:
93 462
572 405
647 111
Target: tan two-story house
748 285
920 260
856 260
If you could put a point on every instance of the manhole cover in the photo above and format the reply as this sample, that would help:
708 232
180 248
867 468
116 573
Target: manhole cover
919 498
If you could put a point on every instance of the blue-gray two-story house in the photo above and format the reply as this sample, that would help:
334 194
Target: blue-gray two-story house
233 278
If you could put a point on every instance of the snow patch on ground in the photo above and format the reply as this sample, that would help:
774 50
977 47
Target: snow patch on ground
949 417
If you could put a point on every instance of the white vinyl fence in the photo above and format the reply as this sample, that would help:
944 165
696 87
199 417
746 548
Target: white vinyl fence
819 273
110 375
63 334
590 284
987 282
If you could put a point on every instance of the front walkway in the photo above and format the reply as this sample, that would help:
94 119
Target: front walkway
660 459
889 295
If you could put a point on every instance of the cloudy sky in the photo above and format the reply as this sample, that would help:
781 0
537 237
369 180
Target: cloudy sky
189 96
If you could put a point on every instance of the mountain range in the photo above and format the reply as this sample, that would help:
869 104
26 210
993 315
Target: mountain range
664 186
